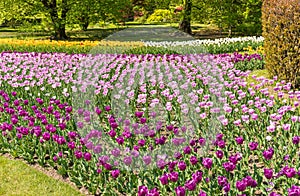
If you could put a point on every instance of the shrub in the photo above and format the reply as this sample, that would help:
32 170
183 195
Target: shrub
281 30
161 15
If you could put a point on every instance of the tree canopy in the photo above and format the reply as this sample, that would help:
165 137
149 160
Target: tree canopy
231 15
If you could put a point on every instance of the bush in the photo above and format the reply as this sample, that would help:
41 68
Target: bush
281 30
161 15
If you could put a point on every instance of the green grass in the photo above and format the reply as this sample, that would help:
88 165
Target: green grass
95 32
17 178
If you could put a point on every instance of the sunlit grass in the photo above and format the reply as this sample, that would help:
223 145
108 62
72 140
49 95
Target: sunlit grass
17 178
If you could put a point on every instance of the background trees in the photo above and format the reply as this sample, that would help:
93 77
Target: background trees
229 15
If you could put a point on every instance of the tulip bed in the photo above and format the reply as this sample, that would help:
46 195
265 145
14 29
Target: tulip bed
217 46
151 124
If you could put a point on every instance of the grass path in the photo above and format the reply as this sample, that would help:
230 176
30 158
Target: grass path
17 178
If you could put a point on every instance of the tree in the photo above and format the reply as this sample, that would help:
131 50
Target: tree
56 10
85 12
63 12
185 23
230 15
233 15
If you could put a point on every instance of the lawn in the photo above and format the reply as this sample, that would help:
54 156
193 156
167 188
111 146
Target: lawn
18 178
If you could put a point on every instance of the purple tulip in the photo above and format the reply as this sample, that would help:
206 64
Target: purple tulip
202 141
71 145
161 164
78 154
202 193
253 145
181 165
143 191
190 185
99 171
250 181
46 136
107 108
147 160
115 173
139 114
141 142
290 172
87 156
226 188
120 140
143 120
268 154
98 111
239 140
207 163
55 158
221 144
127 160
153 192
219 136
222 181
164 179
187 150
193 160
170 127
294 191
229 166
173 176
219 154
180 191
241 185
296 140
197 176
172 165
268 173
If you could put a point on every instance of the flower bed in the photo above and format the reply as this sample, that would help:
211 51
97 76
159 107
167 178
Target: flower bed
159 124
217 46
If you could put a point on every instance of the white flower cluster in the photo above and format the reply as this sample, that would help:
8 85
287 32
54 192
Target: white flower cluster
206 42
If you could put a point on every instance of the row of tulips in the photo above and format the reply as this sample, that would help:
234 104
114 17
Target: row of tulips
216 46
186 47
161 124
70 47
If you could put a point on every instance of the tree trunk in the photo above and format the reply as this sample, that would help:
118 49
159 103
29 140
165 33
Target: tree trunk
84 22
60 32
59 23
85 26
185 23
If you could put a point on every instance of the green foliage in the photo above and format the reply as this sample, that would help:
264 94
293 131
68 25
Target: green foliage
281 30
60 13
232 47
251 65
45 48
150 50
161 15
230 15
85 12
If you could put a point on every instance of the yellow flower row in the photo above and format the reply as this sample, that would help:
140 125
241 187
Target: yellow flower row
32 42
250 50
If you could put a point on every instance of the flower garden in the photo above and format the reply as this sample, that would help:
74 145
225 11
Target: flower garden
155 117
